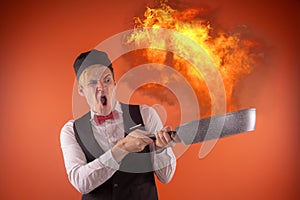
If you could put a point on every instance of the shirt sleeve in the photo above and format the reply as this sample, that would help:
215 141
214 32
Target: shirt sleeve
84 176
164 162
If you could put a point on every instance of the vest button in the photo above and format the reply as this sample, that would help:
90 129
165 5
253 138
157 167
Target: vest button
115 185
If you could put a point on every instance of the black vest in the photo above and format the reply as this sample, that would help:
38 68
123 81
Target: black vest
126 183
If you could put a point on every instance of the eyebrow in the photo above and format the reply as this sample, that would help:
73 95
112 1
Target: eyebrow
99 79
107 75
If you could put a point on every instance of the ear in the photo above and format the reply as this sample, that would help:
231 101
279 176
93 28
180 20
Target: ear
80 90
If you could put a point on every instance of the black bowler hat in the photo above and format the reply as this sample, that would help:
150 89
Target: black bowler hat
89 58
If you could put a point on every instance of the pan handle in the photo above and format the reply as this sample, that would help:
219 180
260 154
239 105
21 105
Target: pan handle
171 133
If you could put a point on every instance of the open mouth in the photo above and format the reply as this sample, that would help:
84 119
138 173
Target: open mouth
104 100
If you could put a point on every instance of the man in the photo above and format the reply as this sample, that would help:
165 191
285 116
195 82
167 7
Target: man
107 152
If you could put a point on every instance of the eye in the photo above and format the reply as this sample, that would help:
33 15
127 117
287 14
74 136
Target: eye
92 82
107 79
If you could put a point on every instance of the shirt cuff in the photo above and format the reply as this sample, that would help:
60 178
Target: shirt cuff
108 160
163 158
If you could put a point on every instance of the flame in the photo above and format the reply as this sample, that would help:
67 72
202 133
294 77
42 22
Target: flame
232 55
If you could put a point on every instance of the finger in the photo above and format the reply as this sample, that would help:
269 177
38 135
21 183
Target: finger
166 129
165 133
147 140
143 135
142 143
167 137
161 138
139 133
159 144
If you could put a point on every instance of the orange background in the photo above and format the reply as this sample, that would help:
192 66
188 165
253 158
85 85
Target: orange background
39 41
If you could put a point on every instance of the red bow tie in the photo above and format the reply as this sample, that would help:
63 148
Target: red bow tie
99 119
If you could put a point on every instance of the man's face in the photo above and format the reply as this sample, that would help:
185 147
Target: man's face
97 85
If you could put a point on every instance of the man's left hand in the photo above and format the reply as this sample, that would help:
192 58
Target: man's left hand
163 139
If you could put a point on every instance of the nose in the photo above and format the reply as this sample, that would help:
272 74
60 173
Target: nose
100 86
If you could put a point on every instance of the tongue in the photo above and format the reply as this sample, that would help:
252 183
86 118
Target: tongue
103 100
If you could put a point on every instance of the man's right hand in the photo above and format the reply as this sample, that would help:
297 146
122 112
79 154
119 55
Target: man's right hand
136 141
